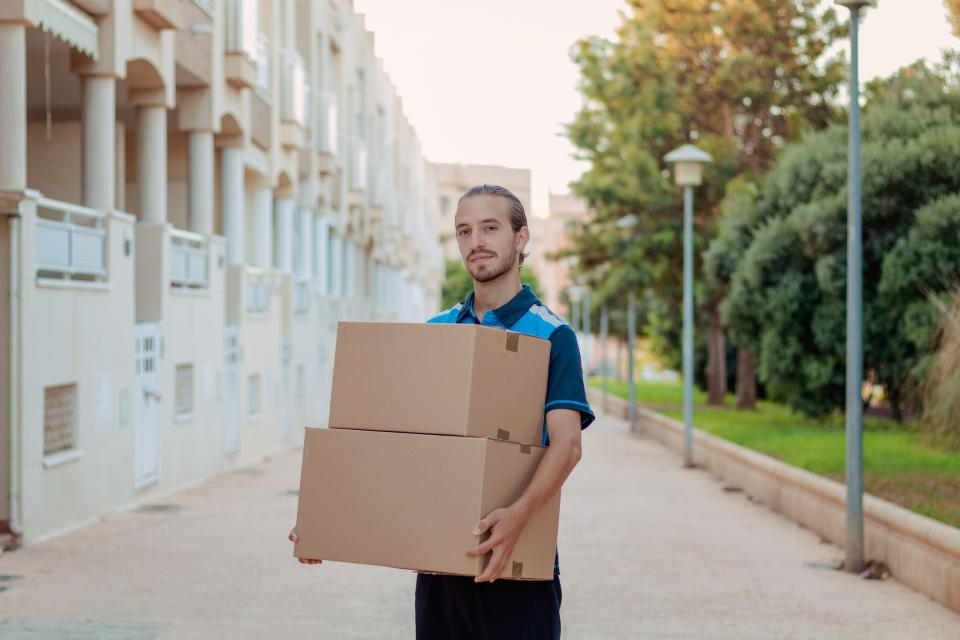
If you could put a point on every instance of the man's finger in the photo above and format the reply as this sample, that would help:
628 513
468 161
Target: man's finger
482 548
492 518
493 570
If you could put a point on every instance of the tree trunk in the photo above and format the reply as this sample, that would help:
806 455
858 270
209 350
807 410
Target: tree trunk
716 359
746 379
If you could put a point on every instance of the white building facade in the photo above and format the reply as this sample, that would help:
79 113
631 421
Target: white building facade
192 194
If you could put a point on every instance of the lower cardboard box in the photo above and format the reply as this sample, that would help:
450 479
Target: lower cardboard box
411 501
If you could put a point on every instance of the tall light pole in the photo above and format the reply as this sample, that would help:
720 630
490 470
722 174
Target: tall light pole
854 399
688 166
604 327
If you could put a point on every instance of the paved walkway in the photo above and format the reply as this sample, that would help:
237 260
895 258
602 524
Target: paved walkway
648 550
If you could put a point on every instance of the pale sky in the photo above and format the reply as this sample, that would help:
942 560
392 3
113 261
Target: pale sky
491 82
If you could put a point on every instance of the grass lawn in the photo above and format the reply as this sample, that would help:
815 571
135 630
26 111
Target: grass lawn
897 466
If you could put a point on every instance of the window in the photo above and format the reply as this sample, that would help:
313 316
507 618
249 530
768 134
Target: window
59 418
253 395
184 390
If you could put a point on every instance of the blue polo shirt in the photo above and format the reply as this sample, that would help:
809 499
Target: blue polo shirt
526 314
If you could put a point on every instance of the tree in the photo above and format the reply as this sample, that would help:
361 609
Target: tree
788 291
738 77
953 15
458 283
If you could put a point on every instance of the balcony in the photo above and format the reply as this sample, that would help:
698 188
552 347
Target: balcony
189 261
326 129
71 242
262 58
294 100
357 170
239 65
159 14
258 291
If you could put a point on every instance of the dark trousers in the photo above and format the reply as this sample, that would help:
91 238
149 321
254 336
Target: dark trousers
457 608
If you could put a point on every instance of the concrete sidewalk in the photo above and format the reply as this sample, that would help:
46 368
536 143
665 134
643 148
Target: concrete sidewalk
647 550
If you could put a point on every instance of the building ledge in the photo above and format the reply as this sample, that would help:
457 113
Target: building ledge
61 458
239 69
56 283
292 135
159 14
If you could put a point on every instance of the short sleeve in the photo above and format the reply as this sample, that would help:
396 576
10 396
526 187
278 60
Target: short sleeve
565 388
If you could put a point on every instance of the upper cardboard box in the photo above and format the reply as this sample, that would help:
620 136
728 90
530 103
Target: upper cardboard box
411 501
450 379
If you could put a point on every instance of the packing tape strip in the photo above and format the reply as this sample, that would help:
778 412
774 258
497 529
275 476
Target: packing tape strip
503 434
524 448
513 341
517 571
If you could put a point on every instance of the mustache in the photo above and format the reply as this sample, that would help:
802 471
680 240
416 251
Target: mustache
474 254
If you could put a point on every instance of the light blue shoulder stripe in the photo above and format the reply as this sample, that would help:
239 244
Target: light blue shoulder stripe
446 316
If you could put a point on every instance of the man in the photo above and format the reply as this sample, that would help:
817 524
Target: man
491 231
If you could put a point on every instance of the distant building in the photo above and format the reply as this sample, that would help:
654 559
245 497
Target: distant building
192 194
453 180
551 235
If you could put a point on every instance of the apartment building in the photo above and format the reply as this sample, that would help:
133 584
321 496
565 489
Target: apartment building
193 193
555 233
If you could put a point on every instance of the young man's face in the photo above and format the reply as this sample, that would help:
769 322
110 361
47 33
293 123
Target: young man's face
488 244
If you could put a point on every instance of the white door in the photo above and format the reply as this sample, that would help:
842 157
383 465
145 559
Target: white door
231 396
146 463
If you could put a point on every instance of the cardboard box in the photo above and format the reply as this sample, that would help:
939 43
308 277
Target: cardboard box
411 501
450 379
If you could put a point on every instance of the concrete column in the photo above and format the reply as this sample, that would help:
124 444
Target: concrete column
99 165
13 106
286 209
200 182
336 267
231 200
306 226
262 227
152 162
119 154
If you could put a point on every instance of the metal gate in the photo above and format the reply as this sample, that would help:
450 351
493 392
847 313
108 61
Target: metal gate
231 395
146 465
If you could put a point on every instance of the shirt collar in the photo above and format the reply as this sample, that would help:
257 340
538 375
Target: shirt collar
508 314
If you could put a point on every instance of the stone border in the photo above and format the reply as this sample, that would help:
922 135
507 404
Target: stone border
920 552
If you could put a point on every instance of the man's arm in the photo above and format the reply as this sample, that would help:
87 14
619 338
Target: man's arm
506 524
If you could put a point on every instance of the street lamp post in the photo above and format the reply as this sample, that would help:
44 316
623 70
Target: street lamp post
854 397
688 166
604 327
631 332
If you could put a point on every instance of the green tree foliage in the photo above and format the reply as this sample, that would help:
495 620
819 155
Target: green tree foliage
738 77
953 15
458 283
787 289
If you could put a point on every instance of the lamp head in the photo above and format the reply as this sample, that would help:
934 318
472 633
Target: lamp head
688 164
857 4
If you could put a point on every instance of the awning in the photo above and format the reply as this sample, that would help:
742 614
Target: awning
61 19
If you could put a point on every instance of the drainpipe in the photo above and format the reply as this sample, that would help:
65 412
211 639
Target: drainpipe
15 525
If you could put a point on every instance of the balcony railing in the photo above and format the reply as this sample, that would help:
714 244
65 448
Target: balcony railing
262 58
358 164
258 291
71 241
326 122
242 26
189 260
294 93
301 297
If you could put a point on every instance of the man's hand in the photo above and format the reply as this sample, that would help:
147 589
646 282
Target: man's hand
505 526
293 538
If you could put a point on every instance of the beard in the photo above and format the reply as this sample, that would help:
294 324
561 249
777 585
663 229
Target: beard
488 272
